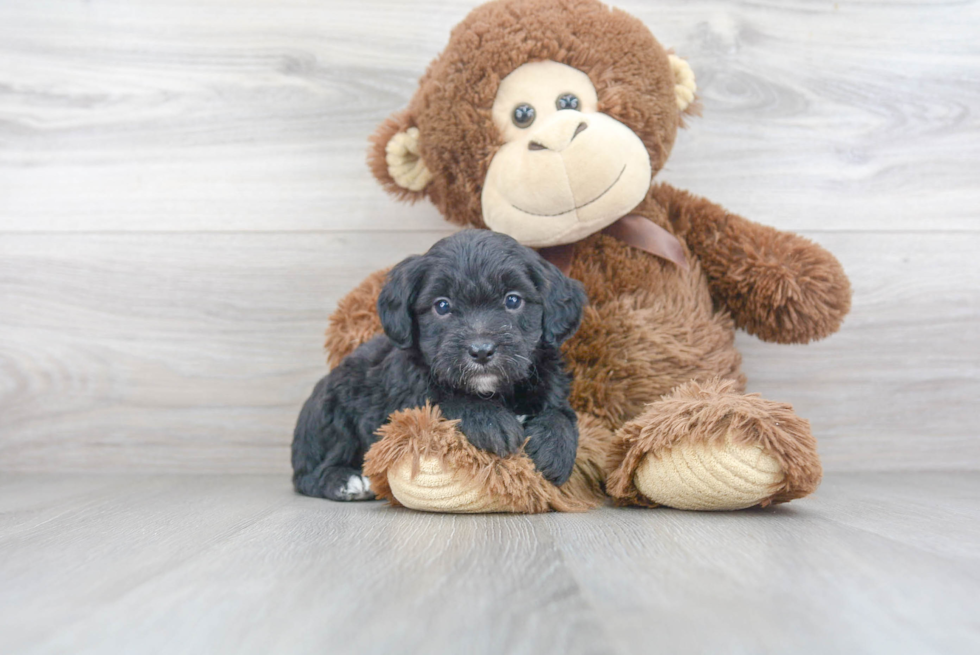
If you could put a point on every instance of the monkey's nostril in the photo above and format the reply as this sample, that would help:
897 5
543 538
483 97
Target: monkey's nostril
534 145
482 352
581 128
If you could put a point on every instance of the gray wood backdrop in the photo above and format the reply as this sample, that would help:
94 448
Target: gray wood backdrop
183 199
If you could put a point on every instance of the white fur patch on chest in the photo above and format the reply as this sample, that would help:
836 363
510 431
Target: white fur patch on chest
484 384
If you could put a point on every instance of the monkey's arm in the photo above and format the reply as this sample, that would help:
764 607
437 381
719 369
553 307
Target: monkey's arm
778 286
355 321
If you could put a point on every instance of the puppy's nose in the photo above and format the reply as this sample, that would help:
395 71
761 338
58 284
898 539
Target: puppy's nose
482 351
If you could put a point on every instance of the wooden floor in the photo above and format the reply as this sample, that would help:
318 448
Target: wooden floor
875 562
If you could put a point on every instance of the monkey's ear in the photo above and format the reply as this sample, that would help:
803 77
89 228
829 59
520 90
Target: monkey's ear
684 84
397 299
564 300
395 159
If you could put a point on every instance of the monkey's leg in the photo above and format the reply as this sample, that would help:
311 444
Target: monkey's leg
708 447
423 462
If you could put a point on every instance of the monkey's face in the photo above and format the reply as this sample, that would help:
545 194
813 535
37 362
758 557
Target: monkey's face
542 119
565 170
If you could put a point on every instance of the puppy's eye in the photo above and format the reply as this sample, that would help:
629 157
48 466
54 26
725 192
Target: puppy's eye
513 301
567 101
523 115
442 306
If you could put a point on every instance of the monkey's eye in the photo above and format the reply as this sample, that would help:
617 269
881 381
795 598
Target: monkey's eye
567 101
523 115
513 301
442 306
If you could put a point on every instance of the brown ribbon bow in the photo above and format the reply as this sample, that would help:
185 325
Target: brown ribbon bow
632 230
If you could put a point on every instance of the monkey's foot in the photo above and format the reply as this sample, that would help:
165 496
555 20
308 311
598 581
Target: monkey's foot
423 462
708 447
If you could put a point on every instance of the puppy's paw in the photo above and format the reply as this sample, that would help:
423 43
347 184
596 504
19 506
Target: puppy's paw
357 487
345 484
552 449
487 425
500 433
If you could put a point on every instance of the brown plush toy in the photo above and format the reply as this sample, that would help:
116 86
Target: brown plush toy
547 120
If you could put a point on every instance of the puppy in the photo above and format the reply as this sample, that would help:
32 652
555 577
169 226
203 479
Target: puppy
473 326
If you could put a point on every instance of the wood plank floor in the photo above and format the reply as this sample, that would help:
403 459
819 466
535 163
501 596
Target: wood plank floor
874 562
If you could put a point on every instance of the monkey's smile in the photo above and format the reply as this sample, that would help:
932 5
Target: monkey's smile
576 208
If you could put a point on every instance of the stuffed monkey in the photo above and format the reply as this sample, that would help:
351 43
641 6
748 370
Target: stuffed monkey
548 120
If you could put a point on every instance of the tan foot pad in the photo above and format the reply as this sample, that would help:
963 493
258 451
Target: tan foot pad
436 490
705 476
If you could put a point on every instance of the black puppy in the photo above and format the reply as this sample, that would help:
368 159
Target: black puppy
473 326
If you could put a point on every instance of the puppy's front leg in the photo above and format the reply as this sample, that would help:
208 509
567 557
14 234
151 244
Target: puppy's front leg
552 442
486 424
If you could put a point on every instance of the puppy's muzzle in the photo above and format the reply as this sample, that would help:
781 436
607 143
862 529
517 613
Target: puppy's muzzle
481 352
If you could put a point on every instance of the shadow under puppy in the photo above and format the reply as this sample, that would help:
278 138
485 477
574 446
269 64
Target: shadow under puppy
473 326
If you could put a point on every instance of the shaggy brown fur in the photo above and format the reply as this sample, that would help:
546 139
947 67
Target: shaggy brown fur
649 327
654 361
356 319
777 286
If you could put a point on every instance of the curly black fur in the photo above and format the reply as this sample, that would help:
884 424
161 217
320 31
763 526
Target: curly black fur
493 366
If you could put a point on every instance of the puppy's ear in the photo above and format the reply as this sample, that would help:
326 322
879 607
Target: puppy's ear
564 300
397 299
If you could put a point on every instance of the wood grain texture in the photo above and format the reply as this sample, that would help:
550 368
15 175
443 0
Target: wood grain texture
874 563
194 352
801 579
254 115
187 350
183 198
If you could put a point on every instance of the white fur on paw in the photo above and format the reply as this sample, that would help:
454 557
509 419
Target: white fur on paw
358 487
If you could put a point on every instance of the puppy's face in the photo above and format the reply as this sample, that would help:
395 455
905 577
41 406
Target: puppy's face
476 307
480 324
